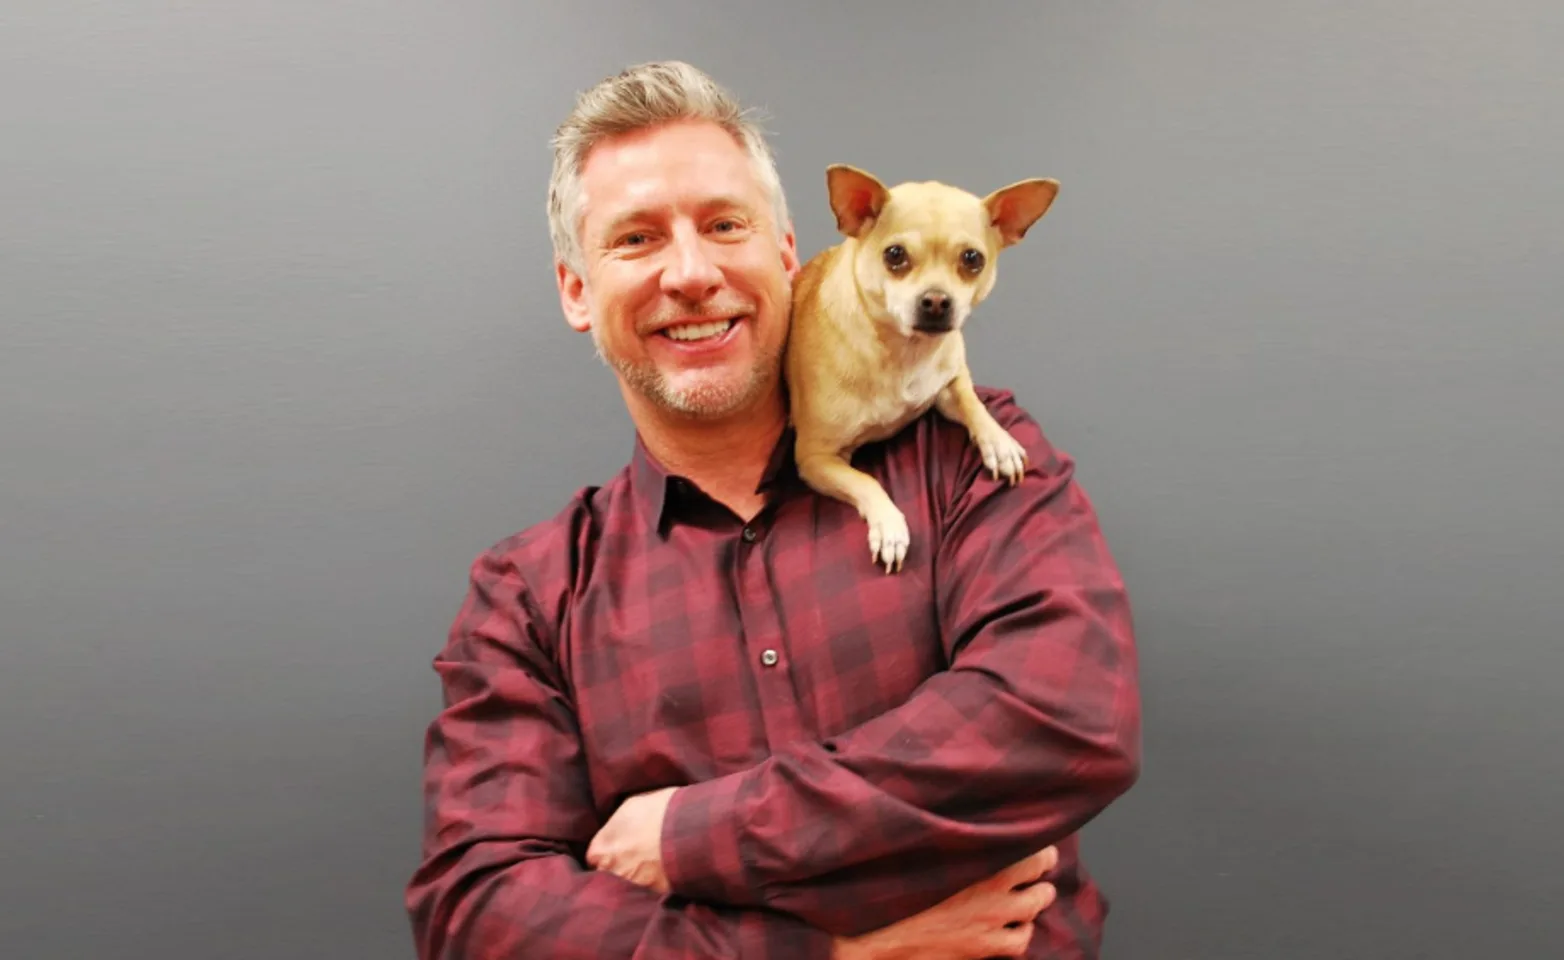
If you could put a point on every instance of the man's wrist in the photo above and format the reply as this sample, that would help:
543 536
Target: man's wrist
878 945
700 844
844 948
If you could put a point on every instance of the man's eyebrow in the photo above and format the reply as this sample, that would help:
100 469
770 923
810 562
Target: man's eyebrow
726 201
637 215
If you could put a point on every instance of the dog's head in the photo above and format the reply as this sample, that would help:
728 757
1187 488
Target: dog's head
926 252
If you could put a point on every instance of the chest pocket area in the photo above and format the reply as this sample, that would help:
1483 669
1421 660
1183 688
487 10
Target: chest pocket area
652 713
872 638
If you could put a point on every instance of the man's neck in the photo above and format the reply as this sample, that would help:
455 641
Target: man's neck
726 458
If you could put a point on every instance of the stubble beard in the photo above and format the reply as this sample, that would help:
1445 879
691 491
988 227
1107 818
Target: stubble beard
704 399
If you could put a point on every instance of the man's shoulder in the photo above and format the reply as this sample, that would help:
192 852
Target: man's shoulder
546 559
948 444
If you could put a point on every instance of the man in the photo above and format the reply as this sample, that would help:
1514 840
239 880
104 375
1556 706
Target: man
688 716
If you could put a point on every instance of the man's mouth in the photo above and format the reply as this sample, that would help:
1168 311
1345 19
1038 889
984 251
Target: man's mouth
691 332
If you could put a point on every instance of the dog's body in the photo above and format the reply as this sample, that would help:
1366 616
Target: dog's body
876 331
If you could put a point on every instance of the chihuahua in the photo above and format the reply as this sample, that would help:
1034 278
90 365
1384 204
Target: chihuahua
876 331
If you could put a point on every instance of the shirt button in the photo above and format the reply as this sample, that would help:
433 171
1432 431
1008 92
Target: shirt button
769 658
749 535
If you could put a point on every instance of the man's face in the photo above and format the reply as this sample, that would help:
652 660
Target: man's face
688 277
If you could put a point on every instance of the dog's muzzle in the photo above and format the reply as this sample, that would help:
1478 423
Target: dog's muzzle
936 314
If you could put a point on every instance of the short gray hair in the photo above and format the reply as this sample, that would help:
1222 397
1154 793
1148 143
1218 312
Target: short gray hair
640 97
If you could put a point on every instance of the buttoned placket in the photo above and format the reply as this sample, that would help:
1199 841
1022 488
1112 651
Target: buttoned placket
765 649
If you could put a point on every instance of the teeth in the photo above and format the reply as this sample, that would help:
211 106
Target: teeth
699 331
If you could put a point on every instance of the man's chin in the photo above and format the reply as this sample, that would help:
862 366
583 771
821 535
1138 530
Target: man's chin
708 401
708 398
704 394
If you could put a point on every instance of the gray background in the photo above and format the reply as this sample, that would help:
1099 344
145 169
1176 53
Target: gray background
282 353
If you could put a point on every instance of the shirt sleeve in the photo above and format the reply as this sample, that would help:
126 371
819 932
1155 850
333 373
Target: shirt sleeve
508 817
1032 731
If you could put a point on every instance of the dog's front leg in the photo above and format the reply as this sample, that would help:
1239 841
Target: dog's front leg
1002 454
829 473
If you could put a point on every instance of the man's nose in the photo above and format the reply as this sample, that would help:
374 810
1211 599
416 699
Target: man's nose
691 271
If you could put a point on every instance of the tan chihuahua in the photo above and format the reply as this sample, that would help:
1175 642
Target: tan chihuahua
876 331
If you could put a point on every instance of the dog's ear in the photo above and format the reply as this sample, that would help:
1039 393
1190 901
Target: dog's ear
856 197
1013 209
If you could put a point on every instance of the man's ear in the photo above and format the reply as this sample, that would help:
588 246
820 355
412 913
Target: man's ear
790 252
856 197
1013 209
573 297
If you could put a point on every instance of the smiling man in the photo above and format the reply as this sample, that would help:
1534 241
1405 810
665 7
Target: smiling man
680 272
687 716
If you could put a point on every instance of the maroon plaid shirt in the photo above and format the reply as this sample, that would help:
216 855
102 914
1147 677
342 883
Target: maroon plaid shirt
858 745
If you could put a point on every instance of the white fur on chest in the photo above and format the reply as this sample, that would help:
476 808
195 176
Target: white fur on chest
895 395
922 383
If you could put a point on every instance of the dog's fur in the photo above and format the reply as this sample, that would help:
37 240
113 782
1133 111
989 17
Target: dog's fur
871 349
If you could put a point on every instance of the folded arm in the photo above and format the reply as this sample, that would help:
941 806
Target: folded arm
509 816
1032 731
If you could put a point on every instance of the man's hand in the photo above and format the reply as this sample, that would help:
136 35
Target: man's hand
988 919
630 843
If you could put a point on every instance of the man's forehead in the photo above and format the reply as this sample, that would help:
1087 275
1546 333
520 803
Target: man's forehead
640 176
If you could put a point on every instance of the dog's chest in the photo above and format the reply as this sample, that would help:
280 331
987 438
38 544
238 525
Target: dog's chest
899 396
919 386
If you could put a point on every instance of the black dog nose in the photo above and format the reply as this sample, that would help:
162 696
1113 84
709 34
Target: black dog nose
936 314
935 303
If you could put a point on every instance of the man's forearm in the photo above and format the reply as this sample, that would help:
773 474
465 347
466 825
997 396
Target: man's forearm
500 901
835 838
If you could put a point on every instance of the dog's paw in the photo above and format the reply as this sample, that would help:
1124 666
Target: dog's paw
888 536
1002 454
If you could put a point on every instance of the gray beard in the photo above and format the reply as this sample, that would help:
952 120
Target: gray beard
701 402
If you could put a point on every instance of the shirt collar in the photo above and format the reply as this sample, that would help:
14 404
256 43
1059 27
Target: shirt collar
657 491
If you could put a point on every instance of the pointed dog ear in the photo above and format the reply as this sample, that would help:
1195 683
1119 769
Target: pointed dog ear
1013 209
856 197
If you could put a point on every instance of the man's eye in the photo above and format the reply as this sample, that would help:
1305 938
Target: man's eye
632 239
727 226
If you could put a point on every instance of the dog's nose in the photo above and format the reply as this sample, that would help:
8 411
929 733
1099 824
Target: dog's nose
935 312
935 303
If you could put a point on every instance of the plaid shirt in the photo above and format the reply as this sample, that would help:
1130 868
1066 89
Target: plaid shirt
857 745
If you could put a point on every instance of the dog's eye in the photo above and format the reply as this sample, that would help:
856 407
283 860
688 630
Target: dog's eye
971 260
895 257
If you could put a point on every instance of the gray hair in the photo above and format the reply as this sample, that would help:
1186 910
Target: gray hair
637 98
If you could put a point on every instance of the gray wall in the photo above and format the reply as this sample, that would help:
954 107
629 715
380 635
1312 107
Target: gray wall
282 353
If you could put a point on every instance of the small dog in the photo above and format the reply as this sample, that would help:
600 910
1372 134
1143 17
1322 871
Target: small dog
876 331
